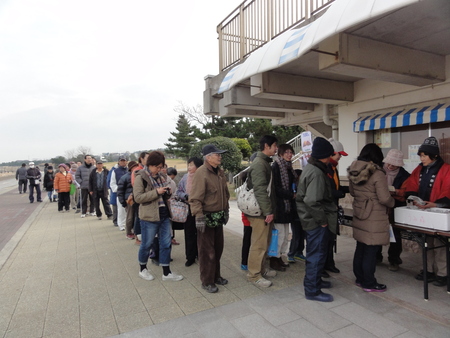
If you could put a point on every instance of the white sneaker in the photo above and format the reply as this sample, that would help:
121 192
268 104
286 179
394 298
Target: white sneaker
262 282
121 228
93 214
99 218
269 273
144 274
173 277
83 215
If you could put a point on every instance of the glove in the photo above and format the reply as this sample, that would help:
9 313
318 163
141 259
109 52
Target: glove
200 224
226 217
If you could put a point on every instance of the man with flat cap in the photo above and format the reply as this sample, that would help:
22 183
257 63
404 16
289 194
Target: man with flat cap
209 204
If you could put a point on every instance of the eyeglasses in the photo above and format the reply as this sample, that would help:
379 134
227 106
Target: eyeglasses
157 167
289 152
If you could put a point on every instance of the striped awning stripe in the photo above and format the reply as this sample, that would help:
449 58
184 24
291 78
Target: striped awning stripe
403 118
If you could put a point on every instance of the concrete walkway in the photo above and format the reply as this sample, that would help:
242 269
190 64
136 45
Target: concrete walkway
74 277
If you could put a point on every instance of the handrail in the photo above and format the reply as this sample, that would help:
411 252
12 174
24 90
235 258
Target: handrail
255 22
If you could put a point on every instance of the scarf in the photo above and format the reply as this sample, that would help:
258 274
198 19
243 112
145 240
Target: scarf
285 184
390 174
158 181
189 180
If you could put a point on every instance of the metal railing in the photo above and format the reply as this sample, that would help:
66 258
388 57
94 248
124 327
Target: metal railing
255 22
296 144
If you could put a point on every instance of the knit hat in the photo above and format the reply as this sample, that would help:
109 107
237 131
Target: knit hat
50 167
132 164
429 146
321 148
63 165
394 157
337 146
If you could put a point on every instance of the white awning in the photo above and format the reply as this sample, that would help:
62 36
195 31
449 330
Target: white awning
403 118
294 43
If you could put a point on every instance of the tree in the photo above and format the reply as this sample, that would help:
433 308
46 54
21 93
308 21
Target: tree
183 139
231 160
58 160
243 146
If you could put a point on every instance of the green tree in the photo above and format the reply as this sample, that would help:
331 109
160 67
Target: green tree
58 160
181 142
231 160
244 147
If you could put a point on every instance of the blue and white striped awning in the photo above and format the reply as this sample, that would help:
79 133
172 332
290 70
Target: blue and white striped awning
403 118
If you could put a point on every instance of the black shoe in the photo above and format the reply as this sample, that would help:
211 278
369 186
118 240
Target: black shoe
333 269
325 274
39 200
376 288
282 263
31 201
440 281
431 276
211 288
275 264
325 284
221 281
78 211
189 262
321 297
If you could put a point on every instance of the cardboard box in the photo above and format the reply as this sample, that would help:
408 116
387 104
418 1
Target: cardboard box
433 218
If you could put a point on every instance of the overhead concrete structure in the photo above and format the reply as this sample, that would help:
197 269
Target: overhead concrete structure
328 59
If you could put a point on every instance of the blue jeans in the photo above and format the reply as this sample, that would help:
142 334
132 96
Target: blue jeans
316 254
148 233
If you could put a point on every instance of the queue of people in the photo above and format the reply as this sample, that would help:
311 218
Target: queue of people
306 201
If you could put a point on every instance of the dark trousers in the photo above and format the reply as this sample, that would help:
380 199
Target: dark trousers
23 183
246 242
210 248
329 263
63 200
316 250
38 192
84 199
129 222
190 238
100 195
364 264
298 239
137 221
395 249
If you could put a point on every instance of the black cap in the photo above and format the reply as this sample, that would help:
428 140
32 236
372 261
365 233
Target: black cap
212 149
321 148
429 146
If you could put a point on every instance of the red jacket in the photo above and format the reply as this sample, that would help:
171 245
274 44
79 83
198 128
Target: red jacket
441 187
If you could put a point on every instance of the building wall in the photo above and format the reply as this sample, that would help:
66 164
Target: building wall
374 96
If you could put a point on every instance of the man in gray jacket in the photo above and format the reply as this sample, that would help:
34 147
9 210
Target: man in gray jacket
318 215
21 177
82 177
259 178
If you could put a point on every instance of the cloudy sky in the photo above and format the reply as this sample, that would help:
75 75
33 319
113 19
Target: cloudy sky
106 74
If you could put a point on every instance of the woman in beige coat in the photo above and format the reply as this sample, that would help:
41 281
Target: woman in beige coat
372 199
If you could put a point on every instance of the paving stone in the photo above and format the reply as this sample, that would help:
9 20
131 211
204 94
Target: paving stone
255 325
351 331
368 320
219 329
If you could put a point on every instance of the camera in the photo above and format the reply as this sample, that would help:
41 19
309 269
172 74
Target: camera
167 192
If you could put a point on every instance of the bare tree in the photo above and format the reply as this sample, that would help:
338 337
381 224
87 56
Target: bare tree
193 114
71 154
84 150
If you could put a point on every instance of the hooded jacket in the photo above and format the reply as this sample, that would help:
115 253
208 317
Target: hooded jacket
372 199
315 203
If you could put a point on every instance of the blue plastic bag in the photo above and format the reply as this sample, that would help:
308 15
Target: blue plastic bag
273 247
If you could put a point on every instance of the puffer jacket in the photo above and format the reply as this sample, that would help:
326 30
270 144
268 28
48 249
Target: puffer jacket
124 189
209 192
82 175
62 182
315 202
259 175
146 195
368 186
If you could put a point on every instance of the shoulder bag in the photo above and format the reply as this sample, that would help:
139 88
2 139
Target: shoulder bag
246 200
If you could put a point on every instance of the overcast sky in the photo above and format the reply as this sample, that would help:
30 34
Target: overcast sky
106 74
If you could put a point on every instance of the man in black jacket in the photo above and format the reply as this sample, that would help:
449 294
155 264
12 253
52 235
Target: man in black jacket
98 189
34 175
